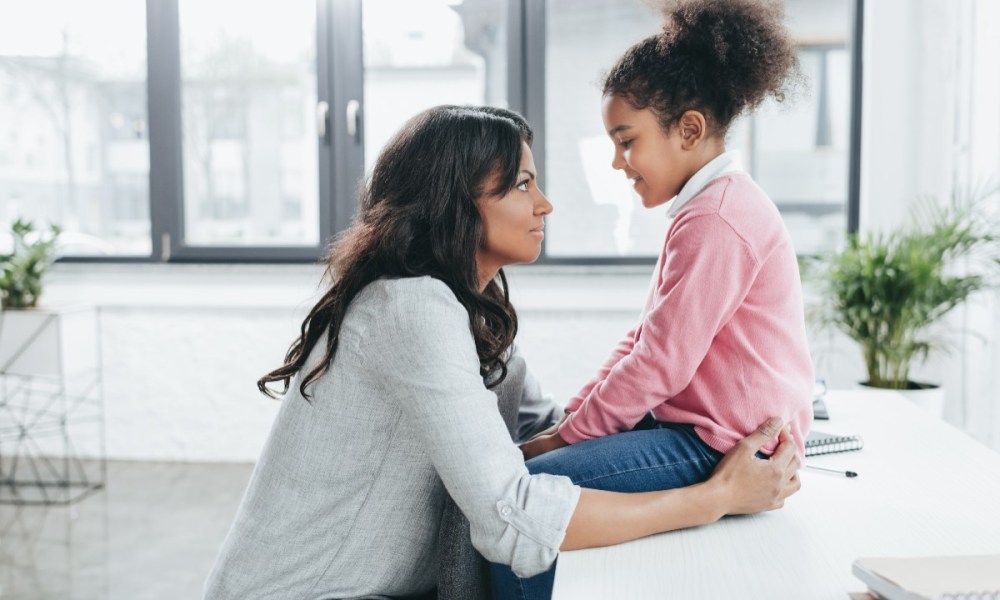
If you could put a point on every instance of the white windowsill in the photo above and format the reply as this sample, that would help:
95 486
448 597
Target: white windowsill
296 286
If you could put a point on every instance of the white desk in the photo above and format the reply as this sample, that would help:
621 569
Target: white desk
924 488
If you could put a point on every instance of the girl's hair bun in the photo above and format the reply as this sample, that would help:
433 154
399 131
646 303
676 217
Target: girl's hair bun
722 57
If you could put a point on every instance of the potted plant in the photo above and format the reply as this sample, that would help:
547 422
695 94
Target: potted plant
34 341
22 270
886 290
51 357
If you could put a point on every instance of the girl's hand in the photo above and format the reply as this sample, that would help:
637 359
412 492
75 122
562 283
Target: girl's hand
748 484
542 443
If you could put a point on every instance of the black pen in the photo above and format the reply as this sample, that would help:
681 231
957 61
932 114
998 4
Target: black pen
837 471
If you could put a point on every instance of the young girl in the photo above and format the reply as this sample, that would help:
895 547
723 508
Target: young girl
721 340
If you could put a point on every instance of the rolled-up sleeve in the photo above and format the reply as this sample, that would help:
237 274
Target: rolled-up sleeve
423 350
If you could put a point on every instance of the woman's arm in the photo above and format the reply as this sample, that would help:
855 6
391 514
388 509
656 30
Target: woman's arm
742 483
419 351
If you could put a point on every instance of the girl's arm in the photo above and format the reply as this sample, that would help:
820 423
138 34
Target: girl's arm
742 483
621 350
706 273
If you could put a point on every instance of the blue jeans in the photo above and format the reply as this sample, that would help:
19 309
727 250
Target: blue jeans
653 456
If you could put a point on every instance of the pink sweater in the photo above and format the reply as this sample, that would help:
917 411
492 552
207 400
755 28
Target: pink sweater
721 342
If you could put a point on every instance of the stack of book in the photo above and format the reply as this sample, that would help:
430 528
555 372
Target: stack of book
931 577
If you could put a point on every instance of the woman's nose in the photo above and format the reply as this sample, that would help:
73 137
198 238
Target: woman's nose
542 205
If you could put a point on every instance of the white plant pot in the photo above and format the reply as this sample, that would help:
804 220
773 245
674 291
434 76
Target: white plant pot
48 341
929 398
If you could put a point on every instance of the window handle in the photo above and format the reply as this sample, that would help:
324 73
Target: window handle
353 108
322 112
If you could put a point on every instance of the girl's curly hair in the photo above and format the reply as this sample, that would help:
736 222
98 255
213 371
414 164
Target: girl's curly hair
719 57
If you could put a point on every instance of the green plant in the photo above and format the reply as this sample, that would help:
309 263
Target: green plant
22 270
885 290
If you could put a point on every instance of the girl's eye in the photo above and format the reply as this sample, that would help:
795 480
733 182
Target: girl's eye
523 185
625 144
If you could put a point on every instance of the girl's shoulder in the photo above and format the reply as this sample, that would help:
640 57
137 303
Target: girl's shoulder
730 197
733 204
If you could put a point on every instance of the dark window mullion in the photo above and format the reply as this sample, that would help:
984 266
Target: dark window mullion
324 87
166 174
346 84
854 153
533 59
516 84
243 254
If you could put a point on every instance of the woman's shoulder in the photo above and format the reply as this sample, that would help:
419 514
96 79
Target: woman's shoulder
398 320
409 303
408 292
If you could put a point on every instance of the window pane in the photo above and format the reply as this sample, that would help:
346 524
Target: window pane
73 145
596 212
248 76
422 53
800 149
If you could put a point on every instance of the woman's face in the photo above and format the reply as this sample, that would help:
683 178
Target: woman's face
513 224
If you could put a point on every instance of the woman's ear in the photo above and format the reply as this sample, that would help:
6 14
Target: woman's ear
693 128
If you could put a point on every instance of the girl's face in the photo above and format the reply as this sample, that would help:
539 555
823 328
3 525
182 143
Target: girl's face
657 163
513 224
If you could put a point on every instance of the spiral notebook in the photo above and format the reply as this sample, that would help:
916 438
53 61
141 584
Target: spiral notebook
826 443
932 577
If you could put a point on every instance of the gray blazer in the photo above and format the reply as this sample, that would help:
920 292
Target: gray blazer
347 498
463 573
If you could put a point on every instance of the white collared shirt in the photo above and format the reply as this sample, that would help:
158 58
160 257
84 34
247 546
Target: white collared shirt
723 164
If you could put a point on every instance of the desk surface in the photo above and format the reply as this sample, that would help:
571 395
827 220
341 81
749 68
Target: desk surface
924 488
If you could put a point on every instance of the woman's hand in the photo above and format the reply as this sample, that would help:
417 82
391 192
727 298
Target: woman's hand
546 441
748 484
552 428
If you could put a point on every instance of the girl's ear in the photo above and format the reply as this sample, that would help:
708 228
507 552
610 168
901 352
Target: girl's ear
693 128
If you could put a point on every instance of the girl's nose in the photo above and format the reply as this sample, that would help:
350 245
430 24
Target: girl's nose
618 161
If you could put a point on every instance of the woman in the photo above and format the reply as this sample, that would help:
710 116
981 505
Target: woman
386 408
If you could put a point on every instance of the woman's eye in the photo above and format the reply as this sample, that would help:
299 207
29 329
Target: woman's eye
523 185
625 144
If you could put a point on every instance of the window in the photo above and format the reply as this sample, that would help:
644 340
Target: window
419 54
596 212
74 145
800 153
248 96
262 119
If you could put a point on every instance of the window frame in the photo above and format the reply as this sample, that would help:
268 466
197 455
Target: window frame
341 156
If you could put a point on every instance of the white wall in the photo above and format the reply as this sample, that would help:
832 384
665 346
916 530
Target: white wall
931 122
183 345
974 371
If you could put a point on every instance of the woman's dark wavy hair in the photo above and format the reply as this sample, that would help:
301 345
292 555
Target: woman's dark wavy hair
719 57
418 216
